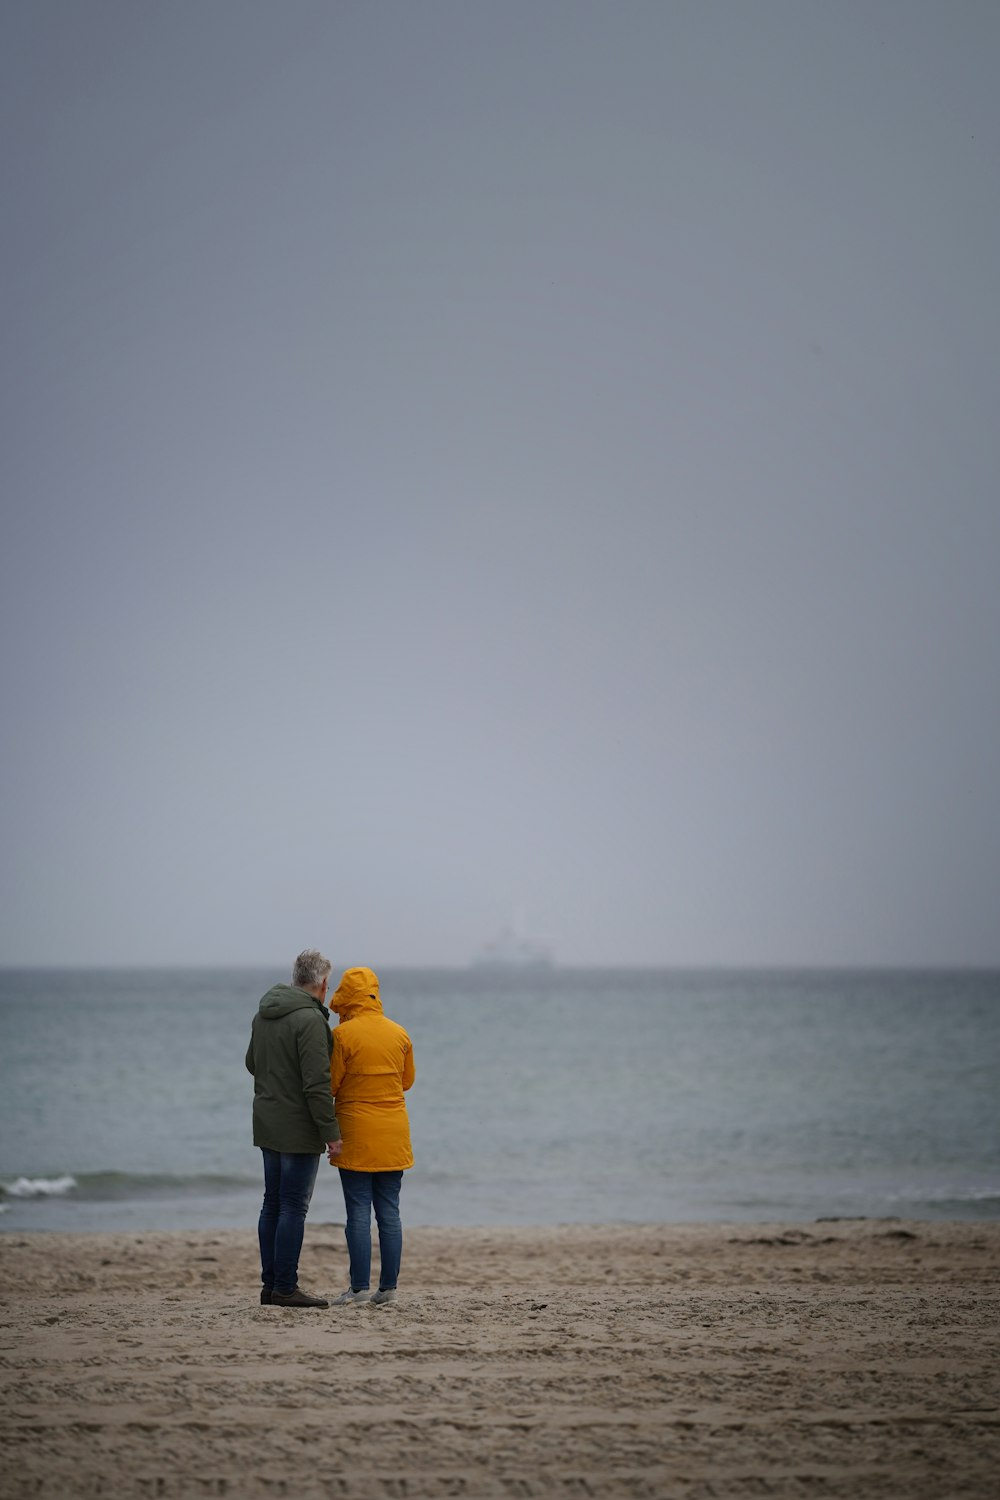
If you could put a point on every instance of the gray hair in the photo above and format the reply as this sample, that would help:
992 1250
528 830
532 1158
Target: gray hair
310 968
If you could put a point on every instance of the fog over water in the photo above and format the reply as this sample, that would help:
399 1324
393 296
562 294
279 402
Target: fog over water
472 463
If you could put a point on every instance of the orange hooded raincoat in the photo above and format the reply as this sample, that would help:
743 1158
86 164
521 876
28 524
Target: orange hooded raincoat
371 1066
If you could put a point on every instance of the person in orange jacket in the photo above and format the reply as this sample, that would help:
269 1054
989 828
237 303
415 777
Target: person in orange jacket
370 1068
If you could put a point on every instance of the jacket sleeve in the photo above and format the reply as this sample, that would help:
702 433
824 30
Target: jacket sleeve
249 1056
314 1065
337 1068
409 1068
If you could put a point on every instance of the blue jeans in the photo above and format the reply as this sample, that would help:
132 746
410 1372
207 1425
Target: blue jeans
364 1191
289 1179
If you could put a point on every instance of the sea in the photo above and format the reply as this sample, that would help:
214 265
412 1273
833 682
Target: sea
555 1096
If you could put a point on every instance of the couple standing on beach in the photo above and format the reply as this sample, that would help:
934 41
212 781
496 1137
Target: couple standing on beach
338 1092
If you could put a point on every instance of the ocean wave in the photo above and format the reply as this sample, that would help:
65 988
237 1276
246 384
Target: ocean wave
38 1187
115 1186
948 1197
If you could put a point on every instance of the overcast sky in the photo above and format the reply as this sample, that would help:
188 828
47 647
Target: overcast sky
464 460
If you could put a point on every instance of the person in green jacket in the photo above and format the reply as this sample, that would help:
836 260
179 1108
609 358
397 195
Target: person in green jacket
293 1118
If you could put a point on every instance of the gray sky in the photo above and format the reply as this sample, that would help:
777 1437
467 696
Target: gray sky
462 459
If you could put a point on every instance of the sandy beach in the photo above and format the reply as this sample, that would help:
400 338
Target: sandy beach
835 1359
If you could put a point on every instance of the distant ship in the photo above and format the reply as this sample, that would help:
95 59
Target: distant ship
509 950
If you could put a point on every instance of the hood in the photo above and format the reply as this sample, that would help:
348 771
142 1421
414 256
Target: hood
282 999
356 993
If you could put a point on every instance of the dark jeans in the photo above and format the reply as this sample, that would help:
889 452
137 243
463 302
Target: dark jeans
364 1191
289 1179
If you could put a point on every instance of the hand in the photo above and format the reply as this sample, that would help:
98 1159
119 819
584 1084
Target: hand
333 1148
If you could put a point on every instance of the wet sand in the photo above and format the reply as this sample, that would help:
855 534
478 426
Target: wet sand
834 1359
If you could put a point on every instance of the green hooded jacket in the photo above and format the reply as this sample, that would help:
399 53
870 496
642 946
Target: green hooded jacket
289 1057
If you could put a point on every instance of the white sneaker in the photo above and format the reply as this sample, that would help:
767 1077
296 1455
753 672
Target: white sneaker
350 1297
387 1296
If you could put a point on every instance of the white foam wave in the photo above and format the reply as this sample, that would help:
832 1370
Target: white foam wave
39 1187
946 1195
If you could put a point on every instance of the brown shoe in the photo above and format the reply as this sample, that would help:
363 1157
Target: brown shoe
298 1298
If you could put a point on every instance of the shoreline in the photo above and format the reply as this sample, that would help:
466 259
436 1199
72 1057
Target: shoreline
839 1358
65 1213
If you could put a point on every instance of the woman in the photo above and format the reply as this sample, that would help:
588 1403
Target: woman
371 1066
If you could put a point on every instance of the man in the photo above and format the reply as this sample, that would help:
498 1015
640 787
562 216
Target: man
293 1118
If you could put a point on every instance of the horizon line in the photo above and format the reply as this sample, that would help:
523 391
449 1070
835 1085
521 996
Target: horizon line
555 967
